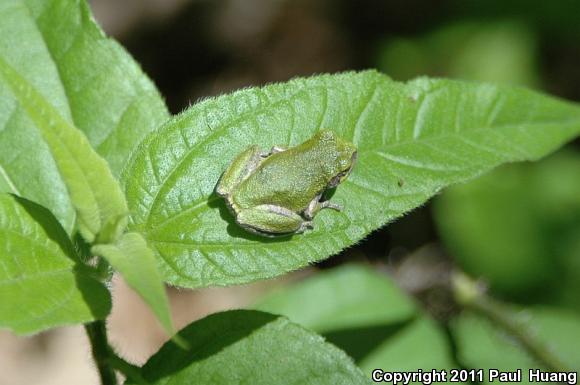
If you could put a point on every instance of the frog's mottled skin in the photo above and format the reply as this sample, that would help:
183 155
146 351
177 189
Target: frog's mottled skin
279 192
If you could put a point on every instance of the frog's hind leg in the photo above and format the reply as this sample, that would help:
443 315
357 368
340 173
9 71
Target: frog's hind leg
271 220
244 164
316 205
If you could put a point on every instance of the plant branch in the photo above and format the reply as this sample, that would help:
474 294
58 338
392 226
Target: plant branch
469 294
130 371
97 332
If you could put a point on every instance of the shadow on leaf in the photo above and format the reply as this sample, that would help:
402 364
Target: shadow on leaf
94 293
359 342
207 337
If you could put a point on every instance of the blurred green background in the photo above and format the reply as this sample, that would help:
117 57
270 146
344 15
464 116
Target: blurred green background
517 228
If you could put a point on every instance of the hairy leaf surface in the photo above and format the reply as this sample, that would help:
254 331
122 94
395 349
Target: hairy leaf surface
42 285
413 138
251 347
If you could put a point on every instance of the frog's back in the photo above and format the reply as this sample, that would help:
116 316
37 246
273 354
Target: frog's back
290 179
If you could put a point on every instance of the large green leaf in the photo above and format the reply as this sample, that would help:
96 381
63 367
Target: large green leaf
363 313
42 284
414 139
532 214
482 345
250 347
89 79
94 193
135 261
347 297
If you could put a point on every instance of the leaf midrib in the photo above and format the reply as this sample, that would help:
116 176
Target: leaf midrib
59 72
19 232
52 59
378 151
214 131
64 89
218 130
9 181
36 275
52 310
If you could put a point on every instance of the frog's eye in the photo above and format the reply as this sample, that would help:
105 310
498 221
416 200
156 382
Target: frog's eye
347 163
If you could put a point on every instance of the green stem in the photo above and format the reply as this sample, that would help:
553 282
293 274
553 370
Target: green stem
130 371
97 332
469 294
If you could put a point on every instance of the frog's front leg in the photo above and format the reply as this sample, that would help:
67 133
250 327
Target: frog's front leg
242 166
271 220
277 149
316 205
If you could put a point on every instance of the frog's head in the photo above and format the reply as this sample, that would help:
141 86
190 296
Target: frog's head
345 155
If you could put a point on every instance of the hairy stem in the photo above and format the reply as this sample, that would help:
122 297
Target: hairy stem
130 371
97 332
469 294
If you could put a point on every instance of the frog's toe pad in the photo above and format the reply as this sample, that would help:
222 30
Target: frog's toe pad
330 205
306 225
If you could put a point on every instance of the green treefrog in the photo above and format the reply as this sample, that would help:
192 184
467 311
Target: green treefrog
280 192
